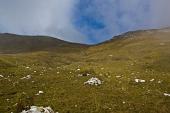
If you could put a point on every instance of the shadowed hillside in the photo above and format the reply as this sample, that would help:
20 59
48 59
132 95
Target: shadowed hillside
11 43
134 69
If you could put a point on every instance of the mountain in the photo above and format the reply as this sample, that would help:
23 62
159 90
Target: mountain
147 46
134 69
11 43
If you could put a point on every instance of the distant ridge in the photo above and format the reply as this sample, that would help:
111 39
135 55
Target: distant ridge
12 43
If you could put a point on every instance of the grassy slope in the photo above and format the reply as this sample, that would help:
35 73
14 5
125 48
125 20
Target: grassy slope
11 43
142 54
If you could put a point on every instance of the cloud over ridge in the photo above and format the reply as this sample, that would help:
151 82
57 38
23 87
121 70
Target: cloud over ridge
84 21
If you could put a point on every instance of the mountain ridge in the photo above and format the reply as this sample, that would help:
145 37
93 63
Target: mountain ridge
4 35
21 43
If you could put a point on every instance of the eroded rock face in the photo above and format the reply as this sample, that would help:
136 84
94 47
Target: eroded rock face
35 109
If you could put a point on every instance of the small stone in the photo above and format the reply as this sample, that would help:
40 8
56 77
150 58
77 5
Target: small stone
139 81
166 94
118 76
40 92
27 67
159 82
26 77
152 80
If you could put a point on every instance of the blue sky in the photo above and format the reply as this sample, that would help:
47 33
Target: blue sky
102 19
84 21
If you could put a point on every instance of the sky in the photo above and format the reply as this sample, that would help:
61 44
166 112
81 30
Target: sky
82 21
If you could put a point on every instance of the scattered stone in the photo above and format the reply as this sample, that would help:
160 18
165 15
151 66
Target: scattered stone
102 68
93 81
80 75
107 74
27 77
88 74
166 94
1 76
75 105
39 92
35 109
110 55
118 76
132 64
152 80
24 93
159 82
139 81
124 102
27 67
132 73
83 74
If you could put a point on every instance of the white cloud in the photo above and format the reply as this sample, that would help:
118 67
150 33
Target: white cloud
44 17
127 15
160 15
55 17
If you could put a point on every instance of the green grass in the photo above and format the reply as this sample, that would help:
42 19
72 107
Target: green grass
135 55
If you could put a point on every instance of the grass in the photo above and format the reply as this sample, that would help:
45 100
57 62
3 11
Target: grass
142 55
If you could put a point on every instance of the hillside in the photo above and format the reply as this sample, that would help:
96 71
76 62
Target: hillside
134 69
11 43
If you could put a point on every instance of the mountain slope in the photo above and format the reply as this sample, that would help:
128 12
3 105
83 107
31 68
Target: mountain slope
11 43
119 63
151 47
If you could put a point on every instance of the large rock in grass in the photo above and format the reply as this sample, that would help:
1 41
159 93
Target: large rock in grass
93 81
35 109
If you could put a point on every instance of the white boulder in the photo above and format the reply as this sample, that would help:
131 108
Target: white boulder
35 109
93 81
